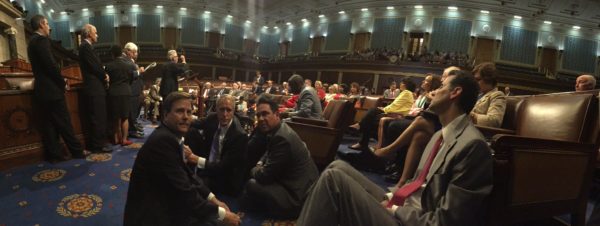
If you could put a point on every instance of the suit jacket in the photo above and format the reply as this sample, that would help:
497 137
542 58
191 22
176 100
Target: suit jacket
287 162
49 84
272 90
163 190
308 104
154 96
121 72
91 70
260 82
169 81
458 181
490 108
229 173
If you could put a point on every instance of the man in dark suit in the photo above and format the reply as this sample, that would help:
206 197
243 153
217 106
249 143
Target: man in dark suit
171 70
49 94
131 53
94 90
281 179
222 153
453 179
163 190
270 88
259 81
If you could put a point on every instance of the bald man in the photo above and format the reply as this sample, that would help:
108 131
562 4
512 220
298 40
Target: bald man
585 82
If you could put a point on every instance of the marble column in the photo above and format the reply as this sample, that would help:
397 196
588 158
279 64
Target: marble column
12 42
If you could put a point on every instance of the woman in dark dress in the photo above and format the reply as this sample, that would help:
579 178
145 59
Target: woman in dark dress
120 72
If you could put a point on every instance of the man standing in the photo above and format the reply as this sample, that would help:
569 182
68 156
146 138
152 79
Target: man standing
49 95
131 53
281 179
94 90
452 181
585 82
171 70
163 190
259 81
223 149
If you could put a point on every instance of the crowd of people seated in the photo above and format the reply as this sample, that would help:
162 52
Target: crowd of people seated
187 162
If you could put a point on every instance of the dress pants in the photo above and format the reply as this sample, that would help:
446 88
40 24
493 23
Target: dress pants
274 198
343 196
134 112
96 111
368 125
55 121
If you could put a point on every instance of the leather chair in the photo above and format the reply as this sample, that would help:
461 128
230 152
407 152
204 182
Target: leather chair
323 137
364 104
546 168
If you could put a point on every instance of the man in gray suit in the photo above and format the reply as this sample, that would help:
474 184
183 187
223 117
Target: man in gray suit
281 179
308 104
449 188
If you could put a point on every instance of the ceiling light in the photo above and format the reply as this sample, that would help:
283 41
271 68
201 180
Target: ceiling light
159 7
207 12
63 13
547 22
248 22
364 9
276 27
517 17
135 5
288 23
452 8
576 27
418 7
85 9
265 27
52 10
109 6
229 16
304 20
183 9
390 7
43 2
321 16
485 11
341 12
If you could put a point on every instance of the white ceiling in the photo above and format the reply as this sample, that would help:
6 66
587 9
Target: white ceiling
585 13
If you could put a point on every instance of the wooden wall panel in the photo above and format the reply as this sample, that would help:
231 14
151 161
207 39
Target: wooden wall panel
214 39
125 34
312 75
284 48
384 82
240 75
225 72
361 41
204 72
285 75
330 77
317 45
484 50
548 61
250 47
363 79
170 37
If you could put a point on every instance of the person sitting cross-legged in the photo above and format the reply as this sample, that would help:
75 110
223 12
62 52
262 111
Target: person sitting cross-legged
450 187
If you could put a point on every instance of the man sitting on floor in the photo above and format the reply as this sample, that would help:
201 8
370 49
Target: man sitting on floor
163 190
453 179
280 180
222 150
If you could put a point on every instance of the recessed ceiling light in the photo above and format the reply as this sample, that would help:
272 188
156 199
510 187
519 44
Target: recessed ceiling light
63 13
485 11
547 22
183 9
288 23
229 16
304 20
43 2
341 12
109 6
135 5
207 12
418 7
276 27
85 9
364 9
576 27
159 7
452 8
248 22
321 16
265 27
518 17
390 7
52 10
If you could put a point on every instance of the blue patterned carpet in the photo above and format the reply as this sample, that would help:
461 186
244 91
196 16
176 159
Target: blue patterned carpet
92 191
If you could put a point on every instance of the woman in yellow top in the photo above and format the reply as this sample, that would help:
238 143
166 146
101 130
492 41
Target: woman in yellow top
369 123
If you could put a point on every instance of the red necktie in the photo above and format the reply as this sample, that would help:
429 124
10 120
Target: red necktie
402 193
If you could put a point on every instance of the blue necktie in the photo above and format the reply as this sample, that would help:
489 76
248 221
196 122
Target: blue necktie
214 148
